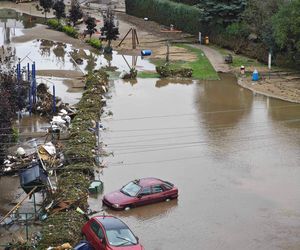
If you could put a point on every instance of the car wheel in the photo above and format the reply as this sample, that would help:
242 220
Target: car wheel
127 208
168 199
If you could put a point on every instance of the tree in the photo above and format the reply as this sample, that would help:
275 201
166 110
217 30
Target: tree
46 5
59 8
90 25
257 13
75 12
13 98
286 25
109 31
221 12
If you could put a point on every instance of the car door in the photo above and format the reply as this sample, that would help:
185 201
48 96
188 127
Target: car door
144 196
96 236
158 193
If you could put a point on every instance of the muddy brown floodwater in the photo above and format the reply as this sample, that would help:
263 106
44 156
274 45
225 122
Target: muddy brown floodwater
234 157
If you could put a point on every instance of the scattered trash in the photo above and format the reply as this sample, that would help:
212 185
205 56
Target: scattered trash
96 186
242 69
146 52
49 148
21 152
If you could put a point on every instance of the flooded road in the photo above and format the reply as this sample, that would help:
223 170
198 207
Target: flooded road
234 157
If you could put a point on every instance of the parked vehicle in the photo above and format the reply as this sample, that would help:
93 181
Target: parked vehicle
110 233
141 192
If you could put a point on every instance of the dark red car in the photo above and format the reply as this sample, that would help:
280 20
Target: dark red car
110 233
141 192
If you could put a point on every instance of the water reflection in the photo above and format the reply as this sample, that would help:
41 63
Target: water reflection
149 212
222 103
282 111
59 51
12 23
18 20
164 82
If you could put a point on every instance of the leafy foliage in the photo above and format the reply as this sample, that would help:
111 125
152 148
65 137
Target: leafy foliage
94 42
238 30
75 12
188 2
90 25
187 18
13 98
71 31
109 30
286 25
53 23
59 8
222 12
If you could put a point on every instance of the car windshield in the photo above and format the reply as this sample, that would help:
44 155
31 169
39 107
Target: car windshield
121 237
131 189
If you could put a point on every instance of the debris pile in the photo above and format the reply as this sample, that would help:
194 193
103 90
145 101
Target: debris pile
132 74
63 227
65 220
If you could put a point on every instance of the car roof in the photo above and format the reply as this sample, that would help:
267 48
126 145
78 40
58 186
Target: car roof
110 222
149 181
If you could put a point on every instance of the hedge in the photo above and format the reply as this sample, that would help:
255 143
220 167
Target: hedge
94 42
184 17
69 30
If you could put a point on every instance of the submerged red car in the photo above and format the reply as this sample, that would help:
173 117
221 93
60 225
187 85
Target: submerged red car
110 233
141 192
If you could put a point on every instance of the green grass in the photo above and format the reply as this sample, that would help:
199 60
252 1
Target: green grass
202 68
147 74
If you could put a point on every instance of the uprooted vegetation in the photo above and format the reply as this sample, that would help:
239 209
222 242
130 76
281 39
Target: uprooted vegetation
64 222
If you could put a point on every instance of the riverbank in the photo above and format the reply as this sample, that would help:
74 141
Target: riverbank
277 83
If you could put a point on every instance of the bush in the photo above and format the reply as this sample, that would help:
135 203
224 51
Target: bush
170 71
238 30
184 17
71 31
94 42
53 23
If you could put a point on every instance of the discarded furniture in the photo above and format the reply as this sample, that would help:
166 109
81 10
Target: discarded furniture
34 176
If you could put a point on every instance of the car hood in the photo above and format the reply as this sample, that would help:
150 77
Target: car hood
135 247
117 197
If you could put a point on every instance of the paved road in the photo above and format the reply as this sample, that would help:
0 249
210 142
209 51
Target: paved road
215 58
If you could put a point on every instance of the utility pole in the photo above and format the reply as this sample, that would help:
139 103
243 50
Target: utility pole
168 51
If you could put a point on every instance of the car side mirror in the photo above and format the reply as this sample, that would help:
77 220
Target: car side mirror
137 239
140 196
